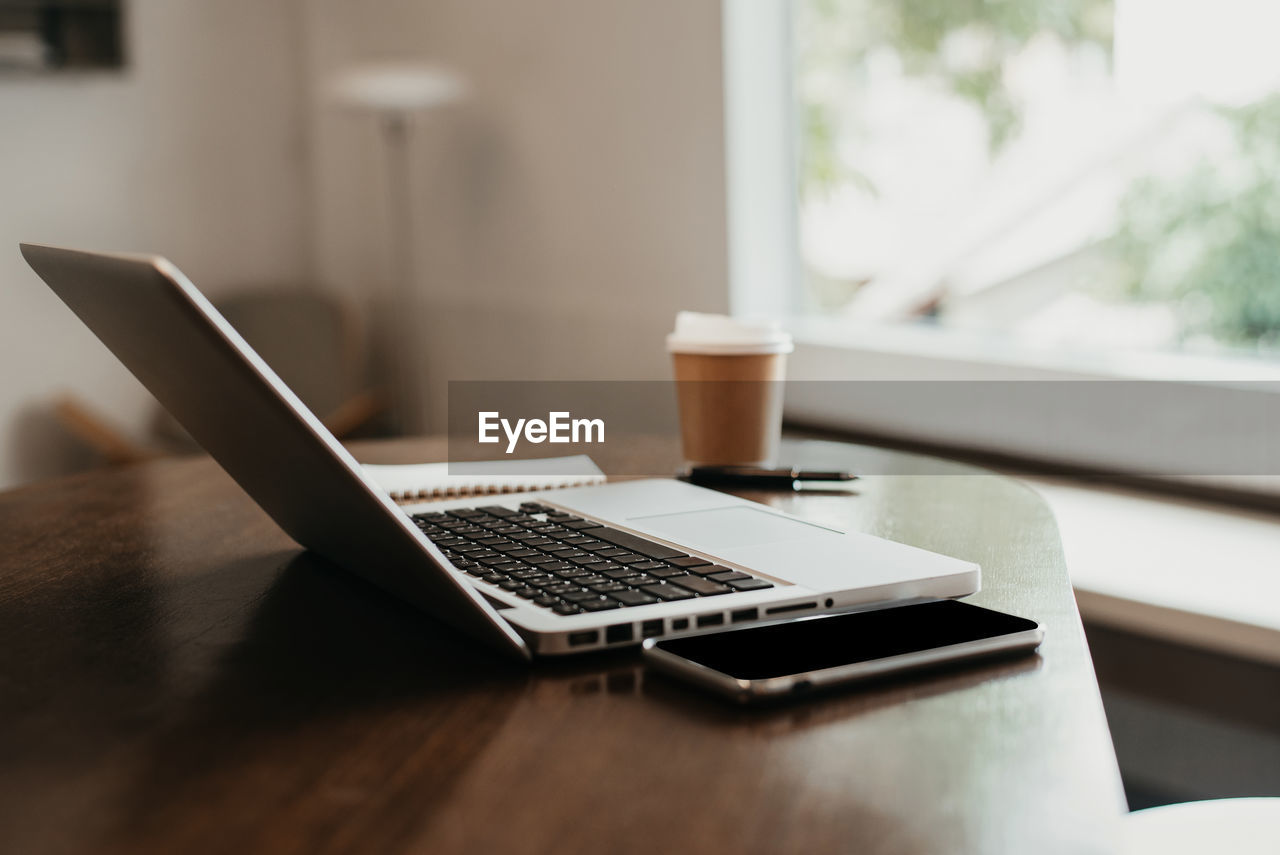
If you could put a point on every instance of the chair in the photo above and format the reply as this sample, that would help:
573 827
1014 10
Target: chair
313 341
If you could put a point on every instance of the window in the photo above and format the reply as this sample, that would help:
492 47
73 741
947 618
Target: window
1035 190
1089 176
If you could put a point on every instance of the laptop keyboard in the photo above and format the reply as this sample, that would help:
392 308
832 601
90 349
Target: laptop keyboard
571 565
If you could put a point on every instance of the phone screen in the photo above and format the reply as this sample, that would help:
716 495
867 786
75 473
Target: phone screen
813 644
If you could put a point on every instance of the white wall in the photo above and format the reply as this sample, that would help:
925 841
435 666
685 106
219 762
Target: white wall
196 151
567 209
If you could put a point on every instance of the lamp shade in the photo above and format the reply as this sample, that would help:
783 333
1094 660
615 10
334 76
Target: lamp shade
396 87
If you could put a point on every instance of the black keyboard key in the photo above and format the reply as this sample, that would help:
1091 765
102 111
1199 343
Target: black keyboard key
708 570
546 582
607 587
534 508
642 579
496 561
752 584
545 599
596 546
620 573
566 609
511 585
667 592
728 576
663 571
524 552
556 566
648 565
598 605
582 525
613 551
634 598
631 558
702 587
497 511
494 578
549 547
578 596
636 544
586 560
508 547
562 589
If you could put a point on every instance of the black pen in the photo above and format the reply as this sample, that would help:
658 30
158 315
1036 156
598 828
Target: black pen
757 476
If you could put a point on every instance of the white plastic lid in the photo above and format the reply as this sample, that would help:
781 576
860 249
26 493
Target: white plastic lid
722 335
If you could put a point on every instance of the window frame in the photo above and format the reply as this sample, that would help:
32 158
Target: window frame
761 140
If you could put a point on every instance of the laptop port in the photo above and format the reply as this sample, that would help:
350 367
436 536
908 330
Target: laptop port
794 607
710 620
586 636
679 624
651 628
618 633
745 614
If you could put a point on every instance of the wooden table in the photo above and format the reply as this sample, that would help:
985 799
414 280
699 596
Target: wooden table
176 677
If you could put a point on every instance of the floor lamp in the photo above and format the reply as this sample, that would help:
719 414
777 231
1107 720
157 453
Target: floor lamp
396 93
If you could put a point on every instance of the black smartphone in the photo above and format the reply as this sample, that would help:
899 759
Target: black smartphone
758 662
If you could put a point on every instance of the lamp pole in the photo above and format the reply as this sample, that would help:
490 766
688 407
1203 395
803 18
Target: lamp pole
395 93
399 324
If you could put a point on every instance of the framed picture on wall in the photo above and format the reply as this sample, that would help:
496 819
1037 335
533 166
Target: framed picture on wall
47 36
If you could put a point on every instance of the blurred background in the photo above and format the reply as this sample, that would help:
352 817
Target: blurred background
570 198
390 194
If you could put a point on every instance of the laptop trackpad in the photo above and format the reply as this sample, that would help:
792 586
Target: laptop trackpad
720 529
794 551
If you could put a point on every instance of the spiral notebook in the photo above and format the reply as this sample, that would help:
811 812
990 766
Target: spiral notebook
419 482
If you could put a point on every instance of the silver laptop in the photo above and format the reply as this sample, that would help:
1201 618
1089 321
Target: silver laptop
550 573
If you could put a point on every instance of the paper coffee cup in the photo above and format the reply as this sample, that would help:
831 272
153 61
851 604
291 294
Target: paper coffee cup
729 381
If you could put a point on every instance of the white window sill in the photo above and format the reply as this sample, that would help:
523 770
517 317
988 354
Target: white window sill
869 381
1185 571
